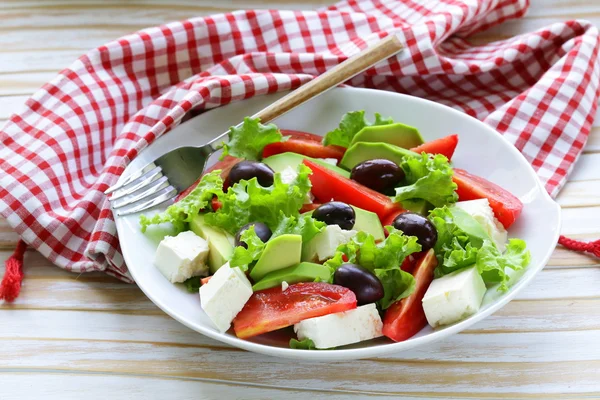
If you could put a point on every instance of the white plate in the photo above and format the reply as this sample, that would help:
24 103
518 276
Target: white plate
481 150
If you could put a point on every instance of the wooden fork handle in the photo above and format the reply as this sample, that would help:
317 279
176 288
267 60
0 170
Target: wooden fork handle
382 50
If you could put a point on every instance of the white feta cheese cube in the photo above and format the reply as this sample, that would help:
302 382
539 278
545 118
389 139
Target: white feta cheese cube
323 245
483 213
331 161
180 257
284 286
288 175
224 296
453 297
340 329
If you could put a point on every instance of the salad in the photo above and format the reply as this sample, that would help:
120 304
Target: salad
366 232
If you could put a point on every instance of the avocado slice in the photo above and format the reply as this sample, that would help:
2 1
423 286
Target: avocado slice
363 151
280 252
368 221
397 134
220 243
303 272
418 206
279 162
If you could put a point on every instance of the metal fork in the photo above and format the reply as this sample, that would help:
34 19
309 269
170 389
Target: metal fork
173 172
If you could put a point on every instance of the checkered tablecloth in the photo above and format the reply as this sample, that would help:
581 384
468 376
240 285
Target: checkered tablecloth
78 132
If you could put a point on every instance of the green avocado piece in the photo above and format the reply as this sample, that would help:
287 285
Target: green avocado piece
363 151
220 243
280 252
418 206
303 272
279 162
397 134
369 222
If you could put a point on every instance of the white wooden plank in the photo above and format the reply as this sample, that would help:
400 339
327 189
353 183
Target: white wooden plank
60 384
23 83
580 194
446 373
581 222
586 168
10 105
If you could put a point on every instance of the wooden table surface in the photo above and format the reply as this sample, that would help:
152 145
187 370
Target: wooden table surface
91 333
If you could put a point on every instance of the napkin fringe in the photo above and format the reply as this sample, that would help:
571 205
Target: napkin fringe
579 246
13 275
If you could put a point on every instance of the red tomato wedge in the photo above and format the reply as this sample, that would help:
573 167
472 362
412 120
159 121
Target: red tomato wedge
305 147
328 185
272 309
309 207
506 206
445 146
225 166
301 135
205 280
406 317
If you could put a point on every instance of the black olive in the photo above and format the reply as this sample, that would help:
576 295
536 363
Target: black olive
336 213
416 225
365 285
247 170
262 231
378 174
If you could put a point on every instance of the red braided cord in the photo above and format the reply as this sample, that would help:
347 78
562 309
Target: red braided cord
13 275
582 247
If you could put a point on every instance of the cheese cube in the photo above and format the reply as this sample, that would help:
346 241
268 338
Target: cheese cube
453 297
323 245
224 296
332 161
340 329
483 213
180 257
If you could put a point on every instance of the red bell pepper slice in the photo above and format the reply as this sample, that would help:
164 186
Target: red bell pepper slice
405 318
272 309
506 206
328 185
444 146
308 148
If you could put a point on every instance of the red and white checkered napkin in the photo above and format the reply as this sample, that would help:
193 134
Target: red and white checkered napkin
76 134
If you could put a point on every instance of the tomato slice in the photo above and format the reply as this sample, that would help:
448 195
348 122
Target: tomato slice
305 147
445 146
272 309
406 317
506 206
301 135
309 207
224 165
328 185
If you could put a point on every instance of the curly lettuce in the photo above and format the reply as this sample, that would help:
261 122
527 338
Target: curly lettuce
428 178
184 210
351 123
383 259
248 140
462 242
247 201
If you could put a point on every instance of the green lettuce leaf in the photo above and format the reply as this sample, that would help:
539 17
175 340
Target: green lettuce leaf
462 242
383 259
192 285
249 140
350 125
243 257
428 178
304 225
305 344
247 201
184 210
